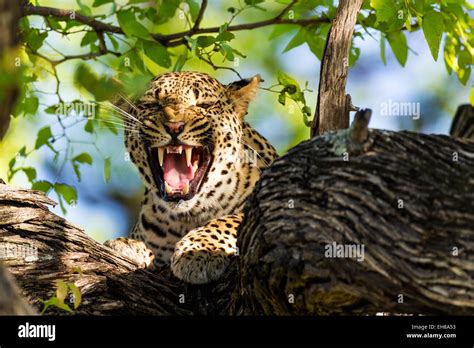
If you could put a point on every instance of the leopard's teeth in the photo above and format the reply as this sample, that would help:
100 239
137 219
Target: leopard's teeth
189 153
168 188
186 188
161 155
195 167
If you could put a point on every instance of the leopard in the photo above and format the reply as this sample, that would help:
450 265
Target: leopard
199 161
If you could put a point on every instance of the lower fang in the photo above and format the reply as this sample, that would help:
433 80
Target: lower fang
186 188
168 188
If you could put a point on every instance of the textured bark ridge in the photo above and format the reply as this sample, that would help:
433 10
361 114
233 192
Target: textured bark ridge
407 198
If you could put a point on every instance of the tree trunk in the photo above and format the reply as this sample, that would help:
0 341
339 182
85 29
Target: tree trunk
407 198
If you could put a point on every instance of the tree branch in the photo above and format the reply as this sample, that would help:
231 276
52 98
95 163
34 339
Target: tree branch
170 40
200 15
333 106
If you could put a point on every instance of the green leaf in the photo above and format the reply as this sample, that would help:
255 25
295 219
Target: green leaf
464 58
89 38
103 88
353 55
30 105
167 9
297 40
53 23
205 41
30 173
43 137
98 3
286 80
22 151
52 109
306 110
77 171
76 293
283 29
225 36
12 163
253 2
67 192
89 126
471 96
433 28
114 42
34 38
282 97
193 8
382 48
227 52
157 53
398 43
43 186
53 301
386 10
464 66
83 158
130 25
107 169
178 66
85 10
61 290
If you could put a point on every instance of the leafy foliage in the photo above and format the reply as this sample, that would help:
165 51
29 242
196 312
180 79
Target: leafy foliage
130 47
63 289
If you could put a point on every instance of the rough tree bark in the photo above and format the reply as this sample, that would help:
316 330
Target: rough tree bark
333 105
309 198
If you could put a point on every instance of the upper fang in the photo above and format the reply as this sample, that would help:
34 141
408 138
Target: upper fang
189 152
161 155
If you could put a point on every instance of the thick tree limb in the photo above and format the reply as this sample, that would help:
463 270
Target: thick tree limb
407 198
342 187
109 284
333 106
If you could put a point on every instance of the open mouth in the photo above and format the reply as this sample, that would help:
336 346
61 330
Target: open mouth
179 170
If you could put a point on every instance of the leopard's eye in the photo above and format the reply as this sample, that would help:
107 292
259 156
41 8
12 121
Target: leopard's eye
153 105
204 105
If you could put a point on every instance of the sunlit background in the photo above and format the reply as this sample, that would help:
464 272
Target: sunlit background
107 210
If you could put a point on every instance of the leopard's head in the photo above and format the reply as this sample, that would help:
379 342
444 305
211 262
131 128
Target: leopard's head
188 127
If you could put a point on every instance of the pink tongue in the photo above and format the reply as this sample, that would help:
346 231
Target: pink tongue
176 172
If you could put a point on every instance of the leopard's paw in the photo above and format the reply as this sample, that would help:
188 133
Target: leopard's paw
135 250
203 255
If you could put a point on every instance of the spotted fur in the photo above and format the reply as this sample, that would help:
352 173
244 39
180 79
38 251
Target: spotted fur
213 114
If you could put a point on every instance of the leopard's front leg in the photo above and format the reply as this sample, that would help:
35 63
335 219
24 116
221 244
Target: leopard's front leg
203 254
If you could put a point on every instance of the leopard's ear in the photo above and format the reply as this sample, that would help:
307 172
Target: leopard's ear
242 92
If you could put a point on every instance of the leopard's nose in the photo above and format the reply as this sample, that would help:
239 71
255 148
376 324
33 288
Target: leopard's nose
174 127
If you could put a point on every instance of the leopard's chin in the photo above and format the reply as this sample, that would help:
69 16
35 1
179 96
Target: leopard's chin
179 170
